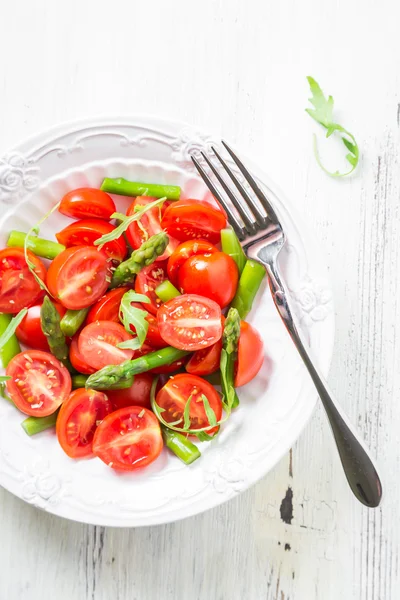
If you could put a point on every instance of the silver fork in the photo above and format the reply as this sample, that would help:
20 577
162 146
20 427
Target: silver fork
258 228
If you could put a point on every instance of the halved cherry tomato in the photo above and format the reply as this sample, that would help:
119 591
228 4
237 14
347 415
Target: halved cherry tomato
78 276
107 307
174 395
168 369
192 219
153 337
86 231
137 395
78 420
77 359
250 354
98 341
205 361
185 251
139 232
86 203
215 276
18 287
128 439
190 322
39 383
29 331
146 282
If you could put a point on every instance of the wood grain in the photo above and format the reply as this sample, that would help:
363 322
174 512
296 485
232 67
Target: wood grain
238 68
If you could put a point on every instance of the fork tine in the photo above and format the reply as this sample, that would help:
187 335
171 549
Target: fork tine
254 186
238 228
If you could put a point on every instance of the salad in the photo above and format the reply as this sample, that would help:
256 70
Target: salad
132 325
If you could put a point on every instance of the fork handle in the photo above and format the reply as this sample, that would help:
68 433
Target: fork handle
357 464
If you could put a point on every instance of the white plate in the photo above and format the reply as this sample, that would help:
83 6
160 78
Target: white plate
274 408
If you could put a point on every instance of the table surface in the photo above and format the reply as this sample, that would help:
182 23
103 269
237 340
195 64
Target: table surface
238 69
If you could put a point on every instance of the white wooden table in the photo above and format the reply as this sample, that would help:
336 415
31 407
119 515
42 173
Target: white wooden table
238 69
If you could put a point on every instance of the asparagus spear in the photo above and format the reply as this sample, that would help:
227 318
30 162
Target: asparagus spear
113 374
39 246
72 320
133 188
167 291
148 252
180 445
230 340
34 425
231 245
11 347
79 381
50 321
249 284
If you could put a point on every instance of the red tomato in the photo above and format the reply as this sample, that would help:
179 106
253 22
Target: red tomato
98 341
172 368
77 360
153 337
128 439
192 219
174 395
78 276
39 383
185 251
205 361
86 231
78 419
137 395
86 203
250 354
190 322
29 331
107 307
140 231
146 282
18 287
215 276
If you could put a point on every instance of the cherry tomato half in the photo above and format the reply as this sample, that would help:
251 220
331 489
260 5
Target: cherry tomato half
39 383
29 331
87 203
86 231
190 322
250 354
98 341
107 307
78 276
18 287
192 219
128 439
137 395
77 359
185 251
146 282
215 276
205 361
78 420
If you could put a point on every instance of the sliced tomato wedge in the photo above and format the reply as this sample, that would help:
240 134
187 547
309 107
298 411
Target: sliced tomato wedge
190 322
39 383
78 276
98 342
185 251
150 224
205 361
174 395
128 439
192 219
250 354
137 395
18 287
77 359
29 331
107 307
146 282
78 420
85 203
86 231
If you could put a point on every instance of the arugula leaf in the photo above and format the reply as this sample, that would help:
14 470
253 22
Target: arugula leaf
186 414
202 436
4 378
212 419
131 315
322 113
12 326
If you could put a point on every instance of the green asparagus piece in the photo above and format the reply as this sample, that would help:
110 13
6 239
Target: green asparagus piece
180 445
166 291
79 381
39 246
231 245
144 256
72 320
11 348
112 374
133 188
249 284
50 321
230 340
34 425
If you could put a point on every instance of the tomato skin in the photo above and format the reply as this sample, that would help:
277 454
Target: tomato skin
86 203
168 369
29 331
78 276
98 341
205 361
128 439
137 395
32 373
107 307
215 276
250 354
77 360
146 282
185 251
18 287
190 322
192 219
86 231
77 421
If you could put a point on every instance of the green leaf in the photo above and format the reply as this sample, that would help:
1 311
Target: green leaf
4 378
202 436
212 419
323 111
131 315
186 414
229 397
12 326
